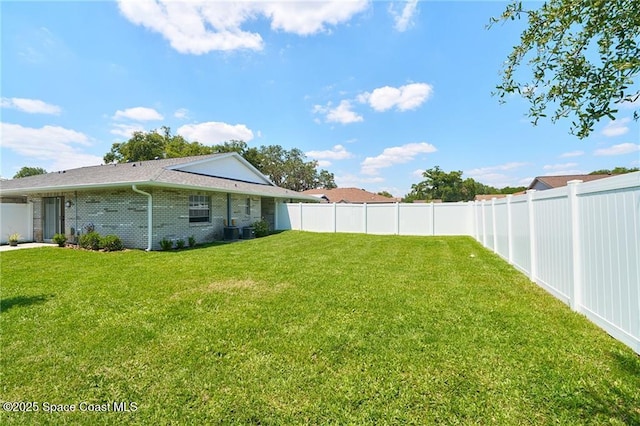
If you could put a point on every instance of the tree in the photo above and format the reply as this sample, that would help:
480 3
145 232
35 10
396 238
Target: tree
584 57
615 171
326 180
385 194
29 171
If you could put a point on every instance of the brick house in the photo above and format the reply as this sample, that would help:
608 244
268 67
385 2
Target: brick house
144 202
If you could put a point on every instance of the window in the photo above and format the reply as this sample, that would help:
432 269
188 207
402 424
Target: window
247 210
199 207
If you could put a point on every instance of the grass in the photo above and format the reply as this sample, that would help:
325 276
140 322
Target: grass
303 328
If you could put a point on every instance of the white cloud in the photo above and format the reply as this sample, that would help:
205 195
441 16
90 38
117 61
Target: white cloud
213 132
481 171
565 172
494 175
616 127
126 130
52 143
32 106
559 166
403 98
181 113
324 163
403 20
620 149
572 154
138 114
395 155
340 114
417 173
350 180
338 152
199 27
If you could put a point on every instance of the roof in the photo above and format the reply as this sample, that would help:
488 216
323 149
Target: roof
350 195
197 172
548 182
489 197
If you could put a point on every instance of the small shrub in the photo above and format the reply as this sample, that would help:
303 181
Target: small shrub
192 241
180 243
166 244
111 243
60 239
261 228
90 241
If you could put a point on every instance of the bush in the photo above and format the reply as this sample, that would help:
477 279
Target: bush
60 239
261 228
111 243
90 241
166 244
180 243
192 241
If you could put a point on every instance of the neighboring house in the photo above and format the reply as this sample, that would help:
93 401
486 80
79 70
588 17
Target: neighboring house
489 197
144 202
541 183
349 195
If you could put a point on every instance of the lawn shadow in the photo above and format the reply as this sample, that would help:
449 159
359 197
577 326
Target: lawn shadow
21 301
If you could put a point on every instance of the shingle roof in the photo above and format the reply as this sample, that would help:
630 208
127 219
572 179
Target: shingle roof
558 181
350 195
154 173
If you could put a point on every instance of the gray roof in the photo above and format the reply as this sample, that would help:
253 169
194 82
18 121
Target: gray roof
145 173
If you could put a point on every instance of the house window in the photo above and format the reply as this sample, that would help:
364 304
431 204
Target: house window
247 210
199 208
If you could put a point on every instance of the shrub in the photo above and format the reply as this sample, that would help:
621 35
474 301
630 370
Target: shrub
111 243
60 239
166 244
90 241
180 243
261 228
192 241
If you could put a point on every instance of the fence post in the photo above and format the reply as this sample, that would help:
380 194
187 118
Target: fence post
433 218
300 211
335 218
576 294
509 231
364 210
494 225
532 237
397 218
484 226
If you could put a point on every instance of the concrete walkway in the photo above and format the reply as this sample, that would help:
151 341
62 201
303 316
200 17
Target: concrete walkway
7 247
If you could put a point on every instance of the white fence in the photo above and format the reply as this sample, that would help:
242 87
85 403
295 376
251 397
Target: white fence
16 218
580 242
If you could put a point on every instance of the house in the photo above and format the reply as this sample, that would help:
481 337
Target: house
541 183
144 202
349 195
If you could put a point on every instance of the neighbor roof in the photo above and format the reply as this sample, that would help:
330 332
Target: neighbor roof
548 182
350 195
163 172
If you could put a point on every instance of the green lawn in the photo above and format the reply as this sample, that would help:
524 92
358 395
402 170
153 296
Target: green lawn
303 328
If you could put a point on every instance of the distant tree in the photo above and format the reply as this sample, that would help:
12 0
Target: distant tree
29 171
326 180
615 171
584 57
385 194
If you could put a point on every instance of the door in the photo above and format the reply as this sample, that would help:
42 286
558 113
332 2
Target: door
53 216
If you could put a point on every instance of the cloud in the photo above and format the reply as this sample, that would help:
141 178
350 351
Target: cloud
494 175
340 114
395 155
403 98
338 152
138 114
181 113
403 20
616 128
32 106
565 172
213 132
126 130
620 149
199 27
350 180
491 169
572 154
558 166
53 143
417 173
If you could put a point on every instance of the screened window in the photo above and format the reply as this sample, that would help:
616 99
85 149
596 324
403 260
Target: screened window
199 208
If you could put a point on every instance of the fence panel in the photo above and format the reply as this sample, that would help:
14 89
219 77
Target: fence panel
453 219
381 219
520 236
416 219
350 218
501 227
16 218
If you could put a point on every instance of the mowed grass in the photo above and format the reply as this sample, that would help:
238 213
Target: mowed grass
303 328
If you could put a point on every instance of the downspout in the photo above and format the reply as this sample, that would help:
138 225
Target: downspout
149 216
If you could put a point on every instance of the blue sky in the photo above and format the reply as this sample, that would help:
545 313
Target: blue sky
377 92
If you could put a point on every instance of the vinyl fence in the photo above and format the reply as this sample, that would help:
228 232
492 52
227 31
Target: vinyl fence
581 242
16 218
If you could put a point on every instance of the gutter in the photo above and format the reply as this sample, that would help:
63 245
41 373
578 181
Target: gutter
149 216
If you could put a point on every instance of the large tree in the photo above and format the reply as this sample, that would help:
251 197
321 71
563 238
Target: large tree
29 171
584 56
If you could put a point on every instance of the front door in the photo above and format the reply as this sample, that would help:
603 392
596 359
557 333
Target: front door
53 216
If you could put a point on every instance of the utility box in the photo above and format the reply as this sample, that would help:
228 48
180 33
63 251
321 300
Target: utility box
248 233
231 233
